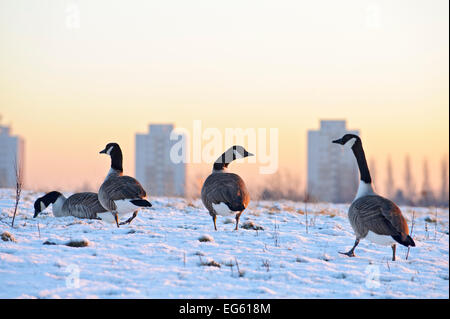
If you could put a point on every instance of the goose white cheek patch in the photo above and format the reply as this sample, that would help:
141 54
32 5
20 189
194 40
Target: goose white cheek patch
43 207
109 150
237 155
350 143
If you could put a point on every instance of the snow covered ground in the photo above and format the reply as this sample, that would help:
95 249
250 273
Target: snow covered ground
172 251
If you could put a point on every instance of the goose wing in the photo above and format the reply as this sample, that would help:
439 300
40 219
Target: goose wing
225 188
83 205
119 188
379 215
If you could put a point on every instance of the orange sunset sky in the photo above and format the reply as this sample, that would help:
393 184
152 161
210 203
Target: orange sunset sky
75 75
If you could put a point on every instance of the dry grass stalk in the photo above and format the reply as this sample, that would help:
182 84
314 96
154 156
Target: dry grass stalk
19 184
411 232
240 272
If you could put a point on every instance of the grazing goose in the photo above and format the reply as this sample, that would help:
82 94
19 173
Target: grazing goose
372 216
120 194
225 193
81 205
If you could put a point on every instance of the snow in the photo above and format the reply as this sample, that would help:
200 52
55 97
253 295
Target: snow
160 254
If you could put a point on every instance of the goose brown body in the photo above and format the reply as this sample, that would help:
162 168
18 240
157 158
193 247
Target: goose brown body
80 205
225 193
227 188
118 187
380 216
120 194
370 215
83 205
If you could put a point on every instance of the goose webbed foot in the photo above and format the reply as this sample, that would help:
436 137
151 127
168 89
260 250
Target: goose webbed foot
129 219
351 252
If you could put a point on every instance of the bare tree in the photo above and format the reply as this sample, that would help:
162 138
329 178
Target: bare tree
3 179
426 178
306 200
272 189
292 189
427 197
390 187
410 187
19 184
282 185
85 187
194 184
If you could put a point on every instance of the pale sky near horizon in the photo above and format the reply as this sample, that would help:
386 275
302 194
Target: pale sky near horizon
68 90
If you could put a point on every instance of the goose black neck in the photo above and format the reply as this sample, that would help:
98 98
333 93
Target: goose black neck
358 151
116 160
50 198
223 161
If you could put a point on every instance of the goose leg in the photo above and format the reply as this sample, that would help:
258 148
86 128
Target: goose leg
394 246
238 215
214 217
351 252
129 219
116 218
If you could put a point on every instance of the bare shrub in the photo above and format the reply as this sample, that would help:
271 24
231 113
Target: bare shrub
205 238
6 236
251 225
209 263
78 243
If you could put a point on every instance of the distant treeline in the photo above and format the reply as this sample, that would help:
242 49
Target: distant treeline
284 186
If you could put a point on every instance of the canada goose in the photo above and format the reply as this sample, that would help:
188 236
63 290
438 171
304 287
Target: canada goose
81 205
372 216
225 193
120 194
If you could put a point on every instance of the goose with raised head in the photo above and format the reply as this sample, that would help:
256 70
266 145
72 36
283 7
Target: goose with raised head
81 205
371 215
225 193
120 194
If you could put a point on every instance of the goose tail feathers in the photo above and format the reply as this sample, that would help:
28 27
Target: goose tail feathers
141 203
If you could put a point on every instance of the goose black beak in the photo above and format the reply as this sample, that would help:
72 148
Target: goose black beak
36 213
339 141
248 154
103 152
